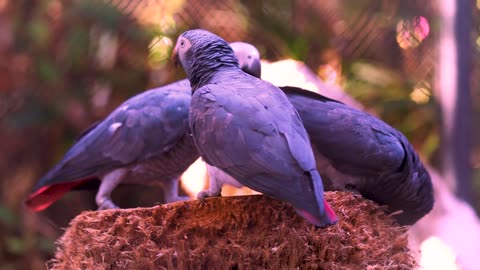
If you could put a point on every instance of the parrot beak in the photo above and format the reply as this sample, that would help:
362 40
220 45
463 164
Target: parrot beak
256 68
174 56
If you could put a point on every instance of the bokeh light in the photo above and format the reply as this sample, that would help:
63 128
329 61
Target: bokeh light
159 50
411 32
437 255
421 92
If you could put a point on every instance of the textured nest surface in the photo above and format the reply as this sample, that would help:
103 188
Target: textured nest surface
244 232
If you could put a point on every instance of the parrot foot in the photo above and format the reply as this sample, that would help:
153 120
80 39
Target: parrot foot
202 195
107 204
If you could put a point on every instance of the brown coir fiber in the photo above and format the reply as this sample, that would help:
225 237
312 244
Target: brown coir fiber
245 232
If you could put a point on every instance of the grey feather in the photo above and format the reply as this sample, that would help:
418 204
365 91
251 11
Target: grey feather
144 141
356 150
353 150
147 136
248 128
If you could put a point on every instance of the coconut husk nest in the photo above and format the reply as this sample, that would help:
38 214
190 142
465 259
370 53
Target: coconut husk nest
242 232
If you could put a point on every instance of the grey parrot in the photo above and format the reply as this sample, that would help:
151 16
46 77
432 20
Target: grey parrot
248 128
354 151
144 141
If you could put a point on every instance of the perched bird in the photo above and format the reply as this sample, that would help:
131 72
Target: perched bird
354 151
144 141
248 128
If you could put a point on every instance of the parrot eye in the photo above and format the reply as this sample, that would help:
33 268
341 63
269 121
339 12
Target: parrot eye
182 43
249 57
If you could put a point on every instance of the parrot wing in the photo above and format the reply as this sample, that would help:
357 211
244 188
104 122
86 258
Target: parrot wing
255 135
354 141
146 125
361 145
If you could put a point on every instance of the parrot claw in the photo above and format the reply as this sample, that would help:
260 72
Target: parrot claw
107 204
203 202
202 195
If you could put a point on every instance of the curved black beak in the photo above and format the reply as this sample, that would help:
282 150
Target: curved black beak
174 56
254 68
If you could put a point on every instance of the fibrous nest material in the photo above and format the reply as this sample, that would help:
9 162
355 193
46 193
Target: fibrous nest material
244 232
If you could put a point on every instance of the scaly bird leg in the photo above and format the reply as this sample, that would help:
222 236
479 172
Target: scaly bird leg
170 191
215 183
109 182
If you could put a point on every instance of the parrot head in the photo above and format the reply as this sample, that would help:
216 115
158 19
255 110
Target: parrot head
201 54
248 58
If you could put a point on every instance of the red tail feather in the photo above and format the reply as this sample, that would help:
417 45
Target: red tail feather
46 195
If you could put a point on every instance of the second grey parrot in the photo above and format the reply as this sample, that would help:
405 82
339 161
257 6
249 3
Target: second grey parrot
144 141
353 150
248 128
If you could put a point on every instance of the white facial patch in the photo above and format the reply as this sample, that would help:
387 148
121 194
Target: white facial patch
254 53
114 127
244 52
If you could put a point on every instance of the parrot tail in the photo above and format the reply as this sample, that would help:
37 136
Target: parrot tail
326 215
48 194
